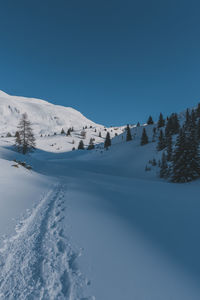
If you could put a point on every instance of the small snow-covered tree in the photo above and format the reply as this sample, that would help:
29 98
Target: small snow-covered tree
83 134
25 140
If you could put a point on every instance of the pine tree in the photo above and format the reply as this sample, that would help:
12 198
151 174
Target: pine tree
172 126
107 142
62 131
128 134
187 117
81 145
161 121
161 141
163 167
198 111
68 132
16 133
144 138
169 148
138 124
25 140
91 145
150 121
186 161
100 134
198 130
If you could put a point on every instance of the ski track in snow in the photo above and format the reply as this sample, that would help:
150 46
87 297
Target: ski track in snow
38 261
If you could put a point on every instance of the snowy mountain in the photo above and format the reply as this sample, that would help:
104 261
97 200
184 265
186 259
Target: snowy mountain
46 118
47 121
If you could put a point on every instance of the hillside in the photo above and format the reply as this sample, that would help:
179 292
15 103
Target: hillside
46 118
94 224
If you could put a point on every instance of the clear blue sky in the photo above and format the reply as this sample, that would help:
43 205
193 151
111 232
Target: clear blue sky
115 61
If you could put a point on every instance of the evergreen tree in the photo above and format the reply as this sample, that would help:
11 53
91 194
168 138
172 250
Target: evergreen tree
186 161
169 148
68 132
25 140
172 126
128 134
161 121
62 131
91 145
150 120
100 134
198 130
107 142
163 167
187 117
176 125
154 135
161 141
16 133
81 145
144 138
198 111
138 124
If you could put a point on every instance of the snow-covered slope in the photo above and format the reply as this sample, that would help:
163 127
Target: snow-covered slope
94 224
46 118
47 122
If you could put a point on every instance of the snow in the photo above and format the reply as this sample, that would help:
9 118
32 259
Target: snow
88 225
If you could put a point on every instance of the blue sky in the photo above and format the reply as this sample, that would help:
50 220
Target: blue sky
115 61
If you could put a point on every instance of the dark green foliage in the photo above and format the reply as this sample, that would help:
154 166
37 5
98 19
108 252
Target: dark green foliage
68 132
25 140
17 134
81 145
187 118
172 126
163 167
161 121
186 161
161 141
62 131
144 138
154 134
198 111
107 142
150 120
100 134
128 134
138 124
91 145
198 130
169 148
8 134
